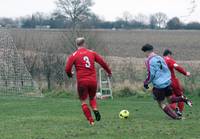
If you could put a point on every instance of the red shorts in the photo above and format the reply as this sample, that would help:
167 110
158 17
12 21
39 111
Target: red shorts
86 88
176 87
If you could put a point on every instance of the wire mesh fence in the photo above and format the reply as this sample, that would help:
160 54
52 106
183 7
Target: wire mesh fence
15 79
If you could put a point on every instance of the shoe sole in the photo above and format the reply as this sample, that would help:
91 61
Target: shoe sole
189 104
97 115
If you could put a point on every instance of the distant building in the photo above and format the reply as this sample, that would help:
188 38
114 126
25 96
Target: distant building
114 29
43 27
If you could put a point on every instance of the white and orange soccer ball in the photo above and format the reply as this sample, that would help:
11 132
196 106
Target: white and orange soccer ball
124 114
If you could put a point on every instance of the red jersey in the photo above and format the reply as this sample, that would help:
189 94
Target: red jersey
171 63
84 61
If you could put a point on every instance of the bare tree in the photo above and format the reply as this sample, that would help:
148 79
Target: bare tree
127 16
30 61
158 20
152 22
141 18
47 59
76 11
59 72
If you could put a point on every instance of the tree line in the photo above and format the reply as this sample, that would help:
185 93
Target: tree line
58 20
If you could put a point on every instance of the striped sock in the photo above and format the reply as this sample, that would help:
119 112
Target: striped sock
170 112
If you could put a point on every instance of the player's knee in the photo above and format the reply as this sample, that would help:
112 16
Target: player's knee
83 102
162 105
169 99
92 97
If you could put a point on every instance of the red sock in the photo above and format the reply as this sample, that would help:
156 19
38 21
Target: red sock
177 99
181 106
173 106
170 112
87 112
93 103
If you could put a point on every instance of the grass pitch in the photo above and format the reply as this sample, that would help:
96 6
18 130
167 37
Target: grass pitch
62 118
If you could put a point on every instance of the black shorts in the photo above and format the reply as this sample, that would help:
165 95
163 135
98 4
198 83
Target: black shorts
160 93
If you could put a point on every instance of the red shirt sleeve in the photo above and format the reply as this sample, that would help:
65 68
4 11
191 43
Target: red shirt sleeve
177 67
101 61
180 69
69 64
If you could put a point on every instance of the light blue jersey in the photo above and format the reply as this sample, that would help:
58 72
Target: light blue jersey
158 73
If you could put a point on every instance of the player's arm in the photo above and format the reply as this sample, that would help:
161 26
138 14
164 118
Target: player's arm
179 68
69 64
101 61
150 73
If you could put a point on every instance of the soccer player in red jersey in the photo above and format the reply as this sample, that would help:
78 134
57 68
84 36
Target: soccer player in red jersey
84 61
176 86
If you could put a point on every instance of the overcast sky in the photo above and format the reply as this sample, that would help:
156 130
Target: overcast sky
108 9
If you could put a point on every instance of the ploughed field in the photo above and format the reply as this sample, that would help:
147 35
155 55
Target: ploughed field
121 43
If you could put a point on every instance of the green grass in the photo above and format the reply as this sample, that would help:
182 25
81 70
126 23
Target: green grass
62 118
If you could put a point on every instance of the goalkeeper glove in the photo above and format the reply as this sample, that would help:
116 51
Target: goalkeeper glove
146 86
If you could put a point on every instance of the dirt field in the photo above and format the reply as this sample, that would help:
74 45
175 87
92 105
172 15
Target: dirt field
121 43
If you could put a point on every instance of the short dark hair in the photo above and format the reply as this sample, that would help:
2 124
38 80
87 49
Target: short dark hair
147 47
167 52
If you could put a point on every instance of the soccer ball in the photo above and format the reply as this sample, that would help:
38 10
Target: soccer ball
124 114
98 95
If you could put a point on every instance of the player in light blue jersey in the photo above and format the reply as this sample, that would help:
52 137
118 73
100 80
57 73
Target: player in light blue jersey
159 75
158 72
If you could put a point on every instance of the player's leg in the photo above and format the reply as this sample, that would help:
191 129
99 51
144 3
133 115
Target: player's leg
92 95
174 99
181 106
179 92
173 105
168 94
159 96
83 94
93 102
173 87
168 110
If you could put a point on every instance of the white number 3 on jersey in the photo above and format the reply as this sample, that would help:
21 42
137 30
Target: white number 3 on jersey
87 60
